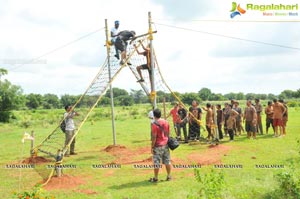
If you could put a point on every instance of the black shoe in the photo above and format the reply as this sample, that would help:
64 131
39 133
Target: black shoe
153 180
129 64
73 153
169 178
141 80
117 56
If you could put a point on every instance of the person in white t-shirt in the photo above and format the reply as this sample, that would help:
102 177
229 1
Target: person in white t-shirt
113 34
151 117
70 129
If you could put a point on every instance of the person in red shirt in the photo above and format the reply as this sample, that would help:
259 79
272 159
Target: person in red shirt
159 146
176 119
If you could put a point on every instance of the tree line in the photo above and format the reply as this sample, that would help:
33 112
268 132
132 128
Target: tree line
13 98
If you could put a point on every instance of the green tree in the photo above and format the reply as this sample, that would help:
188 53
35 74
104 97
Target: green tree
137 95
204 94
68 99
250 96
216 97
287 94
11 97
117 92
271 96
297 93
240 96
125 100
3 72
33 101
230 96
51 101
187 98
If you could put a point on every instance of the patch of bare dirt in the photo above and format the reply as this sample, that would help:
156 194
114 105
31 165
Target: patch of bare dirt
213 155
128 156
64 182
36 160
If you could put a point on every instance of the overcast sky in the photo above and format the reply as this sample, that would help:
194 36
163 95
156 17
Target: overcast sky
194 55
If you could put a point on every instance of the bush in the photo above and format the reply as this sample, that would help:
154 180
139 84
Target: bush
289 182
293 103
37 192
212 184
4 116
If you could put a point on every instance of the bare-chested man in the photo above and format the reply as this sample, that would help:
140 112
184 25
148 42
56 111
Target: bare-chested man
239 126
279 110
259 110
250 117
209 120
284 117
269 116
231 123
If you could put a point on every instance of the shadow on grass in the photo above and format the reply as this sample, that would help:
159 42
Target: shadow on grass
143 183
86 158
139 141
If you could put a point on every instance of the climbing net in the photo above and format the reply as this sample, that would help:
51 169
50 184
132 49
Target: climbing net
54 144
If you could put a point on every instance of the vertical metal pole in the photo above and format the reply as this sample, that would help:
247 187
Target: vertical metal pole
32 141
153 92
216 125
110 87
164 105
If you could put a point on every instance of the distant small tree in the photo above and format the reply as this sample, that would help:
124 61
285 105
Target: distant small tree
33 101
204 93
3 72
187 98
11 97
137 95
287 94
271 96
68 99
240 96
250 96
125 100
117 92
51 101
230 96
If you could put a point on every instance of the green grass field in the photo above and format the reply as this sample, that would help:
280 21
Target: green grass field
132 127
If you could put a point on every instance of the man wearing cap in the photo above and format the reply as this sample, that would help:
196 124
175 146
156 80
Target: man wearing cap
113 34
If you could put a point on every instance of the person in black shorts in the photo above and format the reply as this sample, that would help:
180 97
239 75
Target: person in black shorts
146 66
122 41
195 114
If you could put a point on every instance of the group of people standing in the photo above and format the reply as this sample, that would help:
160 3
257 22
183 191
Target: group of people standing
228 121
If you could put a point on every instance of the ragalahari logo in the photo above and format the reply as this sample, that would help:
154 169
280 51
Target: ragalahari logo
236 10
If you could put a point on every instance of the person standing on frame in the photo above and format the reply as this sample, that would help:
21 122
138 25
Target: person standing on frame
146 66
113 34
